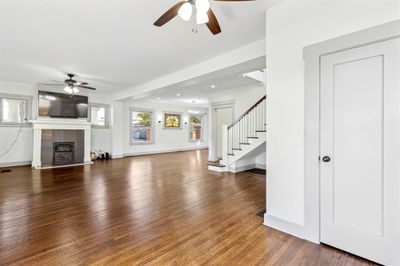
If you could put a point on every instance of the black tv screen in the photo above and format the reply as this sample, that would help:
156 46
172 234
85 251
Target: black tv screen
53 104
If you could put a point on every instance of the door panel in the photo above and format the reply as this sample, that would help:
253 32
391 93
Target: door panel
360 118
357 122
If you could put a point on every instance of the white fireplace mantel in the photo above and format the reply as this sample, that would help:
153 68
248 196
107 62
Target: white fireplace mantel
58 124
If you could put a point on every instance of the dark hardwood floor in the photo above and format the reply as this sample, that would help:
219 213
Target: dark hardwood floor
158 210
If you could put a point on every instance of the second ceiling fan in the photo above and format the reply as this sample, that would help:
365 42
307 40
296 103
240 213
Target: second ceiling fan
204 14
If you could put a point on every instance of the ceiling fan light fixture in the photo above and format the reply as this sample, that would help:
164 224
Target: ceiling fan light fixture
68 89
75 90
185 12
202 6
201 17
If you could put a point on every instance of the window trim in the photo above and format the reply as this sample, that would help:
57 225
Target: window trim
202 127
106 115
26 98
134 109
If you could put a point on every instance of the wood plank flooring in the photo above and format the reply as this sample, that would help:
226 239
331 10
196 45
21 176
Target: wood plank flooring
157 210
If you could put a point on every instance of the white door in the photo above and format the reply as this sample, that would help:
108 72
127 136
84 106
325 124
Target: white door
224 117
360 151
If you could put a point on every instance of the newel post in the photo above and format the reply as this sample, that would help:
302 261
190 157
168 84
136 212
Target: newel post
225 141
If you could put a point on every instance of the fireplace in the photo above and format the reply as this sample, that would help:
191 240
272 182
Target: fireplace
63 153
60 142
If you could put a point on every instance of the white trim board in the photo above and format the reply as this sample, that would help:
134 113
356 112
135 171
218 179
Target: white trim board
64 166
297 230
261 166
14 164
312 55
242 168
162 151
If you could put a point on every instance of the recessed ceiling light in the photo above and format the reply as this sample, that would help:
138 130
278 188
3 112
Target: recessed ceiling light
178 94
213 86
158 99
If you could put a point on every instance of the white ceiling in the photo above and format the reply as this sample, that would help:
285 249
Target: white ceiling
200 92
112 43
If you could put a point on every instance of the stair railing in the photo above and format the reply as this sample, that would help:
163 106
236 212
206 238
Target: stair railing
246 127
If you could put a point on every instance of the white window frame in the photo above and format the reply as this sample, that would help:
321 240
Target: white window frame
132 109
202 127
106 114
28 107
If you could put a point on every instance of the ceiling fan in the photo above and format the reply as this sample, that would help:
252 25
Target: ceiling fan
204 14
70 85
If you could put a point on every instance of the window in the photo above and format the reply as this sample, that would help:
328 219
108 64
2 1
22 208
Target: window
195 127
99 115
13 110
142 125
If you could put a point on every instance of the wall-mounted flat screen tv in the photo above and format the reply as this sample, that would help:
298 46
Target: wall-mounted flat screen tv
61 105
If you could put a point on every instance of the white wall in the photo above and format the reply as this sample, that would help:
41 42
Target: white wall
101 137
243 98
22 151
261 159
165 140
291 26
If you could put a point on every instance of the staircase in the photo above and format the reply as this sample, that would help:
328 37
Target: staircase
242 139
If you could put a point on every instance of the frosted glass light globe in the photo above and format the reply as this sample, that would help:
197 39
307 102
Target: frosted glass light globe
202 6
201 17
68 89
185 12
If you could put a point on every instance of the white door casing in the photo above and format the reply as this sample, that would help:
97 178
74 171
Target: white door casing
224 117
213 125
360 132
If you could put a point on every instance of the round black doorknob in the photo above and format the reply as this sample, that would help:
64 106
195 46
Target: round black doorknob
326 159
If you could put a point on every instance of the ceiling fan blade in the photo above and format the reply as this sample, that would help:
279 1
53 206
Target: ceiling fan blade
51 84
170 14
86 87
233 0
212 23
81 83
57 81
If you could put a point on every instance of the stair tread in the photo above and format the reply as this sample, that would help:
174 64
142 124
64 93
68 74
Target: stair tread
253 137
261 131
244 143
236 149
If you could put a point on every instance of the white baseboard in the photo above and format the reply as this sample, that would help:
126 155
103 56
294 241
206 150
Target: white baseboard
217 168
12 164
164 151
285 226
241 168
261 166
63 166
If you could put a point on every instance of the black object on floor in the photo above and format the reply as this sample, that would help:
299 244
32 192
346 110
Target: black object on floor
257 171
261 213
5 170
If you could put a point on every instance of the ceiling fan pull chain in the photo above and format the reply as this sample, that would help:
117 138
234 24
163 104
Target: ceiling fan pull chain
195 28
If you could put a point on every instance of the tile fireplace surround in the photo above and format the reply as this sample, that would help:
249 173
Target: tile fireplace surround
58 124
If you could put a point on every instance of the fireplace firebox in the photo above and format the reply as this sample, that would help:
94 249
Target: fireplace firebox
63 153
